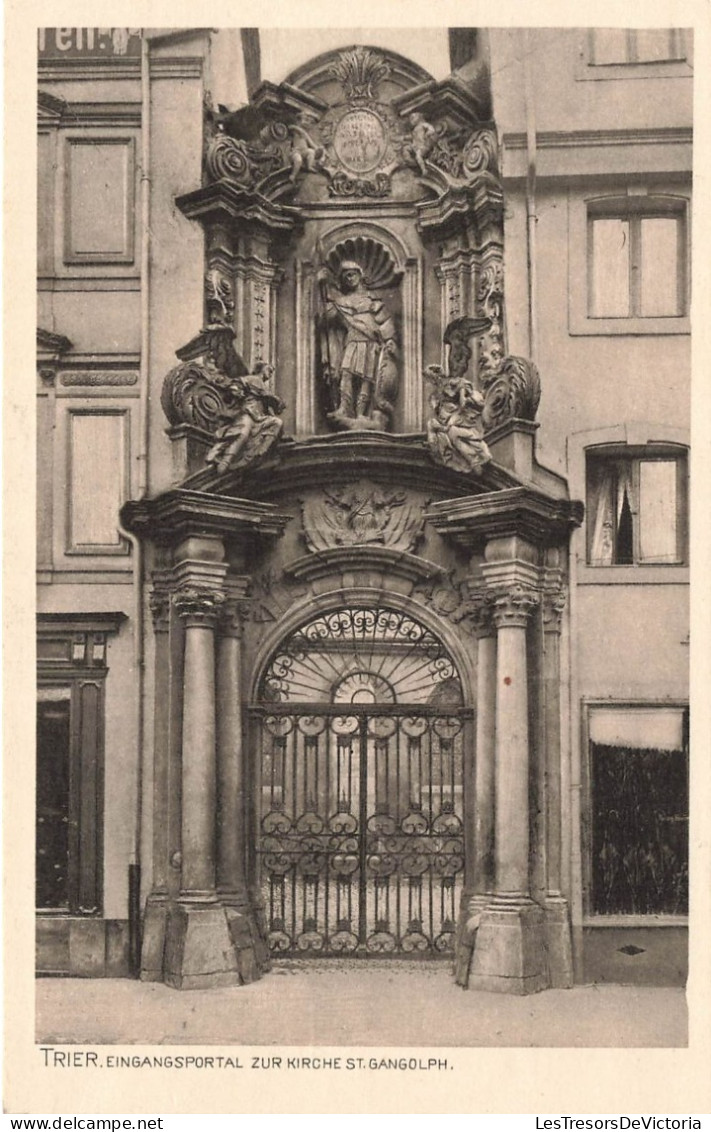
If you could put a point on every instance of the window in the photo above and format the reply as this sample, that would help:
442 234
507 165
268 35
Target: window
636 259
636 45
639 811
628 261
71 656
636 508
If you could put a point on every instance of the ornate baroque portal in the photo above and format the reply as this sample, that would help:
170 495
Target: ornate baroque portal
357 517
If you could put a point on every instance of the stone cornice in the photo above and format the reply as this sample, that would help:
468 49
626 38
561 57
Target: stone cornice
319 564
51 345
323 460
521 511
181 513
483 200
439 98
87 114
225 203
80 622
567 139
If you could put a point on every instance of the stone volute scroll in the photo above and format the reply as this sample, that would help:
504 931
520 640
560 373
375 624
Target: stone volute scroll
466 408
212 390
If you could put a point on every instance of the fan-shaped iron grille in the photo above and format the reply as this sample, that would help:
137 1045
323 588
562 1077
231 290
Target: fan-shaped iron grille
362 742
356 655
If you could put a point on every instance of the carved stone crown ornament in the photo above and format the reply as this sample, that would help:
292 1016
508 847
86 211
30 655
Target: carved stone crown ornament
356 144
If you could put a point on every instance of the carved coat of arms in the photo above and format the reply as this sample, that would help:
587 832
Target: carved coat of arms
362 514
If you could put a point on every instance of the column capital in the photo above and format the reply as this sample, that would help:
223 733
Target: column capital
232 616
159 604
481 611
198 608
553 604
513 605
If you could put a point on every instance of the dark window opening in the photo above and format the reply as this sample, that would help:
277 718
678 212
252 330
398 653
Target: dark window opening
636 509
639 831
53 804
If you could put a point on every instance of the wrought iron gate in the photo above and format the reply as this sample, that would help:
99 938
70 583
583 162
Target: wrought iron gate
360 840
359 824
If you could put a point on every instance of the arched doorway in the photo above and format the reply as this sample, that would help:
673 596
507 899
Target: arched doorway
360 739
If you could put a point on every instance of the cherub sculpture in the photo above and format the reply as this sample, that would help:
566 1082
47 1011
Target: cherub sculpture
455 431
251 424
305 152
422 139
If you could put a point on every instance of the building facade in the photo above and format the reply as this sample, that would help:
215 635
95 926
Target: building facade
345 645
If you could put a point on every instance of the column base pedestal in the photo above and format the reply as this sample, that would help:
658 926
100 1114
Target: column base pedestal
251 949
559 942
470 910
199 949
153 941
510 950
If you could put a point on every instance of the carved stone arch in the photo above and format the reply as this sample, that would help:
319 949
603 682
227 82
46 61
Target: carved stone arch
365 597
363 238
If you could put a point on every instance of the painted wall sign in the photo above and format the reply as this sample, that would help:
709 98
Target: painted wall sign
95 43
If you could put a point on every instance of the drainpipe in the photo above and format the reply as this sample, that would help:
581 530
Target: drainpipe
531 219
134 868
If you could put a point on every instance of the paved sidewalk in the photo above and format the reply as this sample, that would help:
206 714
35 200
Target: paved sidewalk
337 1003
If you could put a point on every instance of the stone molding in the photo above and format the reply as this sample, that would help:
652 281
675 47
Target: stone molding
340 559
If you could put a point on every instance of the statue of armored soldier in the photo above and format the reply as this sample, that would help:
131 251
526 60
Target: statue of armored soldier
358 351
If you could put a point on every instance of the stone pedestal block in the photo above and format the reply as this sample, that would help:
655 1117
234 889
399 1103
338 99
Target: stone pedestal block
510 951
559 942
153 940
199 949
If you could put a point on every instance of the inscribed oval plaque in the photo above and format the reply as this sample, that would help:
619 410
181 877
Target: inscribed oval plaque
360 141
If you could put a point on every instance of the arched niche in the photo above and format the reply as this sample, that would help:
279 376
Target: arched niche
393 269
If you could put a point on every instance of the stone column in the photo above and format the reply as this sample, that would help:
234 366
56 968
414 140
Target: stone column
510 947
480 809
484 795
558 937
199 951
231 802
154 922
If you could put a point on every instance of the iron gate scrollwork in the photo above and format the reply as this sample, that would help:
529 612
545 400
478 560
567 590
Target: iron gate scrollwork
360 843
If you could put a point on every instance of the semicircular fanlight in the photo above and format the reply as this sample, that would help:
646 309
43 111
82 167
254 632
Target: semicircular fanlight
361 655
379 268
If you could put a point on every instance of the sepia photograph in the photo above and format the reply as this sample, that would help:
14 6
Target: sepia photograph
363 409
